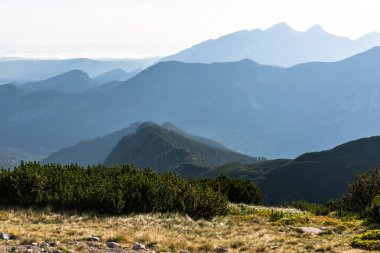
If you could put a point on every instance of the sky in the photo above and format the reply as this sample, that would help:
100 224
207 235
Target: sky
146 28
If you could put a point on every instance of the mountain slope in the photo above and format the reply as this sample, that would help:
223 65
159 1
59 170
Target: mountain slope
35 70
279 45
155 146
114 75
316 177
74 81
169 126
321 176
90 152
95 151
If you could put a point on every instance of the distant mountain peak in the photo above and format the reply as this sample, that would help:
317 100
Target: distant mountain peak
117 74
156 146
279 45
316 28
73 74
279 27
73 81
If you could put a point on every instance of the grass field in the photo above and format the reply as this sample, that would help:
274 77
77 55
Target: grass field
246 229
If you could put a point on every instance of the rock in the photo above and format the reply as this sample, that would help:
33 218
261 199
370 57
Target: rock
55 243
220 250
311 230
5 236
44 245
34 244
94 239
113 245
29 251
138 246
184 251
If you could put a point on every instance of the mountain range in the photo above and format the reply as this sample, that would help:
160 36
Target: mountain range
316 176
252 108
74 81
115 75
96 151
35 70
90 152
279 45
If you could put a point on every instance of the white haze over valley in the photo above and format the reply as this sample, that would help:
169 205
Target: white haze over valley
146 28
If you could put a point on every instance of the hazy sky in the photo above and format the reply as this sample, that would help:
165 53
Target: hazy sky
141 28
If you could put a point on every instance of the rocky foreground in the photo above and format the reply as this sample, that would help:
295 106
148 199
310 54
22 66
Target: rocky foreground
245 229
93 245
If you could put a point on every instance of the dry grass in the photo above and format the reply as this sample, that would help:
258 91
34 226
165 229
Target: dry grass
244 231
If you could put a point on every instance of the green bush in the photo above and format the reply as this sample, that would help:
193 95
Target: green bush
115 190
361 192
373 210
304 205
237 191
276 216
370 240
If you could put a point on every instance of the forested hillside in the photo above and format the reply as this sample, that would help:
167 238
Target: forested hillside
155 146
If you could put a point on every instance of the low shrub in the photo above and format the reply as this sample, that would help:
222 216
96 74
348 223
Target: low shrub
370 240
237 191
114 190
292 219
314 208
361 192
373 210
275 216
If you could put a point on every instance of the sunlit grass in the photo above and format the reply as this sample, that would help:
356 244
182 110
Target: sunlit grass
248 229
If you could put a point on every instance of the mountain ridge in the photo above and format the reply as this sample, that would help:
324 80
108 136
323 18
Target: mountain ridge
278 45
74 81
162 149
251 108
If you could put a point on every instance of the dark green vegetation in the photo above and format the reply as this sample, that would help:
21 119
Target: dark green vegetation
363 195
304 205
316 177
237 191
363 198
370 240
155 146
116 190
282 181
95 151
255 109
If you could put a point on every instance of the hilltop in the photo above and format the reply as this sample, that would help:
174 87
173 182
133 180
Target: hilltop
162 149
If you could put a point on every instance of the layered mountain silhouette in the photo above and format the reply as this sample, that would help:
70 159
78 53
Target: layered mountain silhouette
74 81
90 152
115 75
279 45
95 151
252 108
318 176
162 149
36 70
